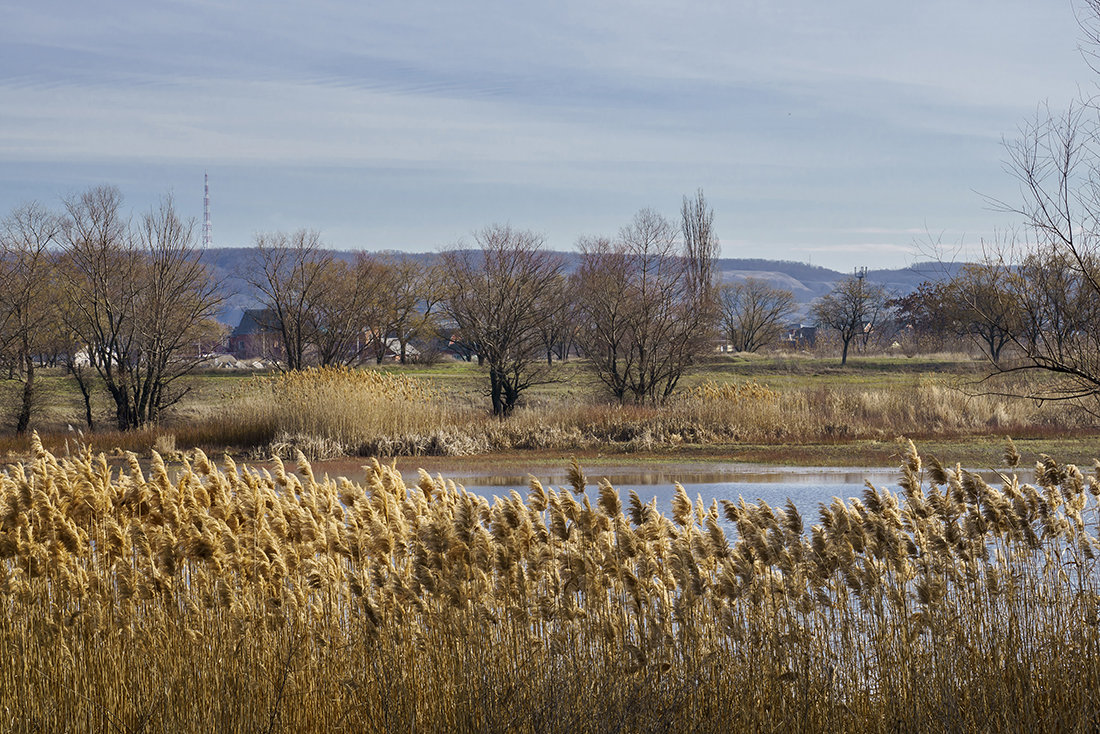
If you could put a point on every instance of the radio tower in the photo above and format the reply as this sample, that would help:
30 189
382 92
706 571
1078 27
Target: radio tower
207 238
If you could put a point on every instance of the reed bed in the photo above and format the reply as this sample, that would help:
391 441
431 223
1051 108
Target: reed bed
235 599
751 412
334 412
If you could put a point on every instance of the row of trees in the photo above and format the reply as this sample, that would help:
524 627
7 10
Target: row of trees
128 305
124 303
116 300
329 312
640 307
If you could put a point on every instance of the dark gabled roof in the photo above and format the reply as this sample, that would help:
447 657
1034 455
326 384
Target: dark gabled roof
255 321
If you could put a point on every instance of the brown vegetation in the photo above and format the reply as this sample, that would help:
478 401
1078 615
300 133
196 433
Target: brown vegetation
328 413
234 600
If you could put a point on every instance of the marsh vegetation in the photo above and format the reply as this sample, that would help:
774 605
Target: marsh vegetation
231 599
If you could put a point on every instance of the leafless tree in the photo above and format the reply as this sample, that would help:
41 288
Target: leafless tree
407 298
646 305
1048 274
413 300
558 330
701 252
136 299
495 294
338 311
853 308
753 313
981 306
291 274
28 293
605 312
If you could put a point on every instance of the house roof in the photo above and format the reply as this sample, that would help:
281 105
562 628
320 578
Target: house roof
255 321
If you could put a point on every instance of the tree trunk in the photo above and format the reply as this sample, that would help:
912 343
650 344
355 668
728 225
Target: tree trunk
28 398
495 392
85 392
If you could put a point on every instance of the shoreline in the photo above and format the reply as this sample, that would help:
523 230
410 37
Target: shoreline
982 452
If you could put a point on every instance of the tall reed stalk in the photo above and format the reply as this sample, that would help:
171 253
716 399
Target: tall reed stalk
235 599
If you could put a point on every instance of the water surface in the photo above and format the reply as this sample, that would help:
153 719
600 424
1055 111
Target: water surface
806 487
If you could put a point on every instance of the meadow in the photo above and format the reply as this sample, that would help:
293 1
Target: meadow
787 409
226 598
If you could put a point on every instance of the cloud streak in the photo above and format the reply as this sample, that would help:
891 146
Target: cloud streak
856 118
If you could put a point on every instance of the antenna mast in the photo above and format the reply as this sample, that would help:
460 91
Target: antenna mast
207 237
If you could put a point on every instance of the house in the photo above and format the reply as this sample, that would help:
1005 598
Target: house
256 335
800 335
393 350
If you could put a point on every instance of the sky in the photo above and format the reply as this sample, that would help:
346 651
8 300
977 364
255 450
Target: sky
845 134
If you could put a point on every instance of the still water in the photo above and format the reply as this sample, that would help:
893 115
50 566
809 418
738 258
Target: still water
807 487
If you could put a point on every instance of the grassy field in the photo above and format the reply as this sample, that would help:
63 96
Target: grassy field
760 408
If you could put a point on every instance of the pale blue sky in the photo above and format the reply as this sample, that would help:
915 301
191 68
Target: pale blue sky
832 132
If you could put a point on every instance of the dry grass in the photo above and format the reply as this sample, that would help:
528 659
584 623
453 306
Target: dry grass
750 412
335 411
438 411
332 413
328 413
234 600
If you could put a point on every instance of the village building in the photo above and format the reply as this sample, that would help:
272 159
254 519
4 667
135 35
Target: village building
256 336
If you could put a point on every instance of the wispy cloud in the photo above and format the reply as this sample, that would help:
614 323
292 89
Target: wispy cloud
854 119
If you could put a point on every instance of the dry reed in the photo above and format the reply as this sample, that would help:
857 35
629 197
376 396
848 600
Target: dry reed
332 412
235 599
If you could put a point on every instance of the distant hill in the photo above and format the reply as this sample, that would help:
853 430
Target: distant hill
807 282
810 282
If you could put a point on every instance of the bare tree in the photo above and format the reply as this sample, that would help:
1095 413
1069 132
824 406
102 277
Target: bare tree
28 293
605 312
646 306
291 273
558 330
135 299
925 316
981 306
701 252
753 313
495 295
852 308
339 311
1049 274
413 300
